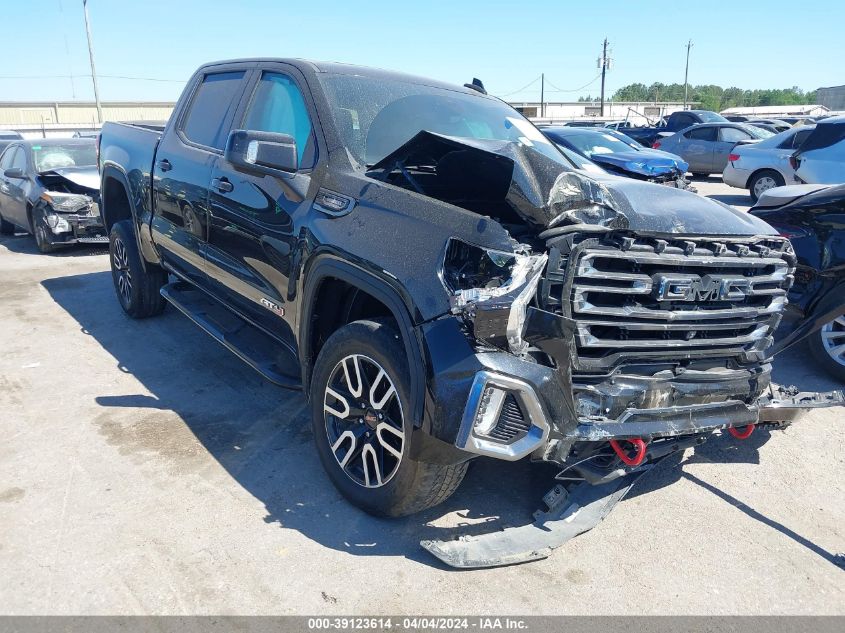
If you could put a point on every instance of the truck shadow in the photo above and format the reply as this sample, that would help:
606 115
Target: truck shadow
261 435
24 244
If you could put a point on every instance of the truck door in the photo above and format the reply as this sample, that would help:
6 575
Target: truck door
182 171
253 215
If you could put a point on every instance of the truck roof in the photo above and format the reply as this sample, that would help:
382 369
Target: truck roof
347 69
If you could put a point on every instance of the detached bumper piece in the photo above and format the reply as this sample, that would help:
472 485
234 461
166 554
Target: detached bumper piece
786 405
568 516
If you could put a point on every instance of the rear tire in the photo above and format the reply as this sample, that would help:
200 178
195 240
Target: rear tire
348 372
137 288
828 347
763 181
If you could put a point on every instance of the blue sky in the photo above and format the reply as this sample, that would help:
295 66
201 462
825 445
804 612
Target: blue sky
772 44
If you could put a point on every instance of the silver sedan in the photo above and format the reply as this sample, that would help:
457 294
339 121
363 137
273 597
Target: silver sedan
764 165
706 146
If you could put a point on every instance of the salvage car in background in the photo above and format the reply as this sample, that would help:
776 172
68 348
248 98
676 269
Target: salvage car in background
706 146
813 218
7 137
620 155
764 165
50 188
675 122
774 128
821 158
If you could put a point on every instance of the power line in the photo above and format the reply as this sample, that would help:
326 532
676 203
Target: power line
528 85
586 85
181 81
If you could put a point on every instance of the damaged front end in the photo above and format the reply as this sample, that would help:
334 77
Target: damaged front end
628 321
68 211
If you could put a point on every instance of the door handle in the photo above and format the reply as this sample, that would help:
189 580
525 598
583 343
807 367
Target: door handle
164 165
222 185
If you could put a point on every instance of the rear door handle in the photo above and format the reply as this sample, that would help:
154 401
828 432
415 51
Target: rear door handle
222 185
164 165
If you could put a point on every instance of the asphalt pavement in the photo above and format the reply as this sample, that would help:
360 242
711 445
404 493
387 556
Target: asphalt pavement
146 470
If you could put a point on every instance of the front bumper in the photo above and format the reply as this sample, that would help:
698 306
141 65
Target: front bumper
463 409
550 439
78 229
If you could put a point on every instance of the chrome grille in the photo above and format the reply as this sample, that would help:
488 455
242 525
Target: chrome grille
635 300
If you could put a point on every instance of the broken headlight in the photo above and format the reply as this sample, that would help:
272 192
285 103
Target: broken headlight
492 289
57 223
67 202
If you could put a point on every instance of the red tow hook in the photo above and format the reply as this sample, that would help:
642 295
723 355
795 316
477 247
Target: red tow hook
743 434
638 457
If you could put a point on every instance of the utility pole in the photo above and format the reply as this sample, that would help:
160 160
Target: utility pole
93 69
542 97
686 75
605 64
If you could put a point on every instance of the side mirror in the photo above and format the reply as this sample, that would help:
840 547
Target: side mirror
262 151
14 172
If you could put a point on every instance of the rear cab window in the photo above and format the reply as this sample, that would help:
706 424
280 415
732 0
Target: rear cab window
204 122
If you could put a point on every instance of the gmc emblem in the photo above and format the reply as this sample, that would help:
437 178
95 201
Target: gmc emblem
672 287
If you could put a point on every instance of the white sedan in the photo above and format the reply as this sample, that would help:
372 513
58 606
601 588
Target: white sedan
764 165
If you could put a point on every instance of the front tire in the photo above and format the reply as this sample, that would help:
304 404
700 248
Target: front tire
828 347
763 181
137 288
360 412
39 232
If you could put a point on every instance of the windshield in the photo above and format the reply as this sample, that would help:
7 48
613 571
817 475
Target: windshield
598 143
375 116
579 161
625 139
710 117
54 156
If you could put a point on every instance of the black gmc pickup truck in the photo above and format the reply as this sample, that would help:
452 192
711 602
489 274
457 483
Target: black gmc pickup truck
443 283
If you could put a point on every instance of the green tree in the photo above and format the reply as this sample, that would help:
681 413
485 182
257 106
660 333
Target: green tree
713 97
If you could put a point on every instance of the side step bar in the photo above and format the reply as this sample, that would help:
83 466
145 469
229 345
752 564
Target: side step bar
265 355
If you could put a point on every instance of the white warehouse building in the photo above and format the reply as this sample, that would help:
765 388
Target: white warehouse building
38 119
637 112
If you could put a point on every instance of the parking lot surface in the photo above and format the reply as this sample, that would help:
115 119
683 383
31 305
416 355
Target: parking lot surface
145 469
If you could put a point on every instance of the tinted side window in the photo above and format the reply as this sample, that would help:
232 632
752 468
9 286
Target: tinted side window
6 159
205 120
733 135
702 134
20 159
278 106
800 137
684 121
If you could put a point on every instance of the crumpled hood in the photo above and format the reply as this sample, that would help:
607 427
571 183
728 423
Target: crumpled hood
652 208
87 177
643 162
548 192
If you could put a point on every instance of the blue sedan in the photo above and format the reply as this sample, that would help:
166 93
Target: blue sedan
621 155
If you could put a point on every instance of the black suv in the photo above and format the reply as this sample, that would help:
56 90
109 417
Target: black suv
440 280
